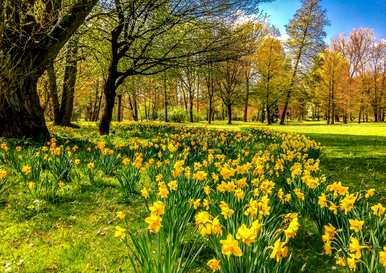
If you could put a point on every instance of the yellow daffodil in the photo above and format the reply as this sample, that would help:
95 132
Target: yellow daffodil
158 208
230 246
121 215
120 232
292 229
382 256
154 223
246 235
214 265
26 170
378 209
279 251
299 194
3 174
356 225
370 193
145 193
322 201
226 211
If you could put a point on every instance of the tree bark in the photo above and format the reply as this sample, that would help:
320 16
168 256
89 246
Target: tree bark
246 102
120 106
69 81
268 115
21 114
109 95
191 105
165 100
109 90
53 92
210 110
229 111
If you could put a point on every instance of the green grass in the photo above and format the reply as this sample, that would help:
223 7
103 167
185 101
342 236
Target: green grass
77 236
74 236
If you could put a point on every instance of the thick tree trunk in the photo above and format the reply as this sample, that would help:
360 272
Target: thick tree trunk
53 92
20 113
31 45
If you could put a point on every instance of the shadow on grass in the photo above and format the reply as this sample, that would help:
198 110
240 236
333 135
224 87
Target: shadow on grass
357 161
348 140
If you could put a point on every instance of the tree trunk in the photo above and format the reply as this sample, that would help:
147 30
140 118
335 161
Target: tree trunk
135 104
198 95
285 108
165 100
98 106
246 101
289 90
109 90
109 95
268 114
53 92
191 106
120 106
210 109
229 111
27 56
20 113
333 99
69 80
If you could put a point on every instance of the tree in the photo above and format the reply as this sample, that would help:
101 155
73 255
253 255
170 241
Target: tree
306 34
355 48
210 79
188 79
271 67
333 78
148 36
52 85
377 64
256 33
230 77
31 34
69 81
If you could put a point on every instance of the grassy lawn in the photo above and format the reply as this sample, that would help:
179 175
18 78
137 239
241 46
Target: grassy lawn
71 236
77 235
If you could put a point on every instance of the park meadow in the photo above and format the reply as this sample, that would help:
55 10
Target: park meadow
160 136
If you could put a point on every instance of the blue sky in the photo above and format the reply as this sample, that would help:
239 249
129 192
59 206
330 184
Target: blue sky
344 15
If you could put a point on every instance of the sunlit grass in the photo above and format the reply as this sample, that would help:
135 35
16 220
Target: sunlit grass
77 236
